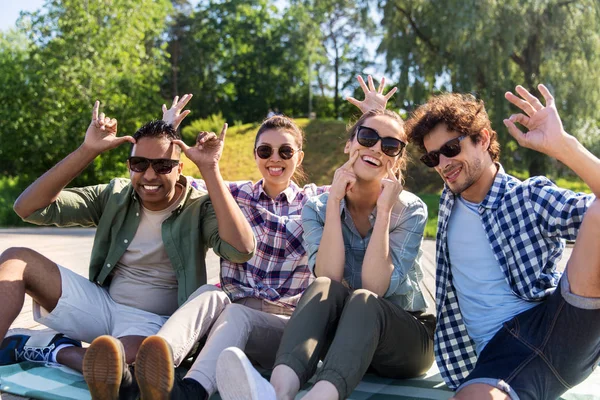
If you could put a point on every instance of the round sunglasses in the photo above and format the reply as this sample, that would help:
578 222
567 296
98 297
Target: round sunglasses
449 149
286 151
161 166
368 137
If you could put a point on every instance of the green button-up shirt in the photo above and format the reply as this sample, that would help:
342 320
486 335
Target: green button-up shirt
114 209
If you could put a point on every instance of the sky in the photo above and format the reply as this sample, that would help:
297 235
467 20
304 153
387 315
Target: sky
11 8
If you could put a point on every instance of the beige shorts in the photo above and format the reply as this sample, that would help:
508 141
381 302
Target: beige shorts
86 311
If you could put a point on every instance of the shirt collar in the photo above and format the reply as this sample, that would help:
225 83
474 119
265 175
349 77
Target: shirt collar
290 193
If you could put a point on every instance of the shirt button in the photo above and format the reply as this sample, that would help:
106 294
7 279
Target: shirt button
107 265
126 241
137 214
98 282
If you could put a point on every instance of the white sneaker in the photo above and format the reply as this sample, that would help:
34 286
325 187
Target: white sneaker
238 380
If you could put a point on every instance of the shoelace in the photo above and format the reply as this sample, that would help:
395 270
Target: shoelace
35 354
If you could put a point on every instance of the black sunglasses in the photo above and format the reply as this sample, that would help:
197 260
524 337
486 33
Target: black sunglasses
368 137
286 151
449 149
160 165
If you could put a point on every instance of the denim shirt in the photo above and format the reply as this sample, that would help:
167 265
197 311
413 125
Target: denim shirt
407 223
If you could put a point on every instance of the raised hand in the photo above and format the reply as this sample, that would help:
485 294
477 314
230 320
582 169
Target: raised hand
101 135
374 99
391 187
545 130
208 149
343 179
174 115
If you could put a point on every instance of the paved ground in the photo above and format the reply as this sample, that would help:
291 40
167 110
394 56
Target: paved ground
71 248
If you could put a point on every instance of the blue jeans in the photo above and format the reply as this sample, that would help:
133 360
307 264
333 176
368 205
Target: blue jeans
544 351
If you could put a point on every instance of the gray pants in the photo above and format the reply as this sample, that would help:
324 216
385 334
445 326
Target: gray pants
352 331
252 325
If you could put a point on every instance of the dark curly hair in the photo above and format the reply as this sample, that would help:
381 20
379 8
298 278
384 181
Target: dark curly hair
156 129
352 128
461 113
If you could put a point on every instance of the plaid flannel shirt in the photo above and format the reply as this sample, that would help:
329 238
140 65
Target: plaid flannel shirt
278 271
525 223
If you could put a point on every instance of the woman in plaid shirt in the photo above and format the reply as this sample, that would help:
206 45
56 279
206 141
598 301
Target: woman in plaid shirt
256 298
365 309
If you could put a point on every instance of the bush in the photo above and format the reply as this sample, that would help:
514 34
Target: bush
213 123
10 189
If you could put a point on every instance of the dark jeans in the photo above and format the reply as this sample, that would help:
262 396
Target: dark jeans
353 331
544 351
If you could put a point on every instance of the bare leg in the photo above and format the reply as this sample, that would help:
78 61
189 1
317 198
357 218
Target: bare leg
285 381
24 271
480 391
323 390
584 265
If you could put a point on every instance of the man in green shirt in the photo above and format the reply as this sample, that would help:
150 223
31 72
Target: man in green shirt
153 231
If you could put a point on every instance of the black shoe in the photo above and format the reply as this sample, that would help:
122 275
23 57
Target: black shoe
129 389
188 389
104 368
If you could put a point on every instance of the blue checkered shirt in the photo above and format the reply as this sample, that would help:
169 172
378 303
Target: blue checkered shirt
278 271
525 223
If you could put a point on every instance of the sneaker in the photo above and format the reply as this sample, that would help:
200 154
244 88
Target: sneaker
237 379
105 369
33 346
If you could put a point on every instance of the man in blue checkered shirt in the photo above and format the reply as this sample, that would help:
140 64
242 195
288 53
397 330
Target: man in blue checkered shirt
509 324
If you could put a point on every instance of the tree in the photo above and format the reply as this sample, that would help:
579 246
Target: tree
77 52
487 47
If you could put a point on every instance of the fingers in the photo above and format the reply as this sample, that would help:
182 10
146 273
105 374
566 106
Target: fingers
520 118
223 132
350 163
513 130
381 85
362 84
164 108
529 97
522 104
175 100
181 145
390 93
371 85
353 101
184 100
95 110
547 95
124 139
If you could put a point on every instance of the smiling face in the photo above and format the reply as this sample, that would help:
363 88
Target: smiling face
156 191
372 162
462 173
277 172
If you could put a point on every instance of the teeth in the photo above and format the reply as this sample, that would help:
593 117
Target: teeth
148 187
275 169
372 160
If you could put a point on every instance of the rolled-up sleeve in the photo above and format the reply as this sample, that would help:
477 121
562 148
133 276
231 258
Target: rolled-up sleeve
210 233
405 246
312 224
73 207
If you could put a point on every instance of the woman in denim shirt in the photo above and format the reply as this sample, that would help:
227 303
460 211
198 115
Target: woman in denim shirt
365 310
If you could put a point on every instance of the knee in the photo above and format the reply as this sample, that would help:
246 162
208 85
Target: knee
237 314
16 254
363 301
